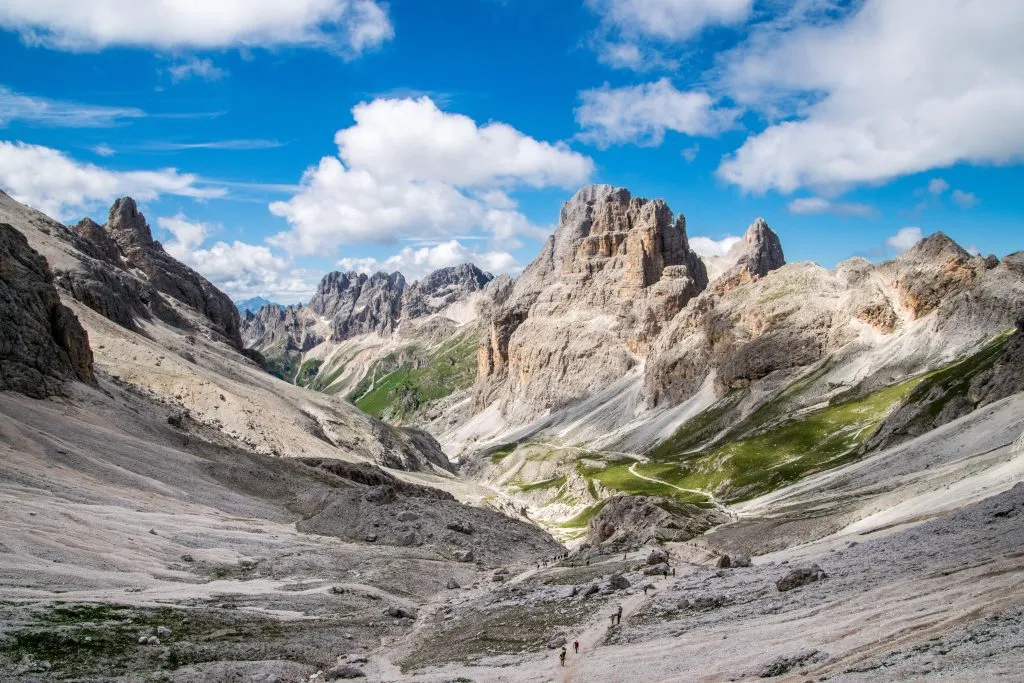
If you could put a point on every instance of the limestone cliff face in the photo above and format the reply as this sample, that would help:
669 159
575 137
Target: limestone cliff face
347 305
745 328
42 344
583 314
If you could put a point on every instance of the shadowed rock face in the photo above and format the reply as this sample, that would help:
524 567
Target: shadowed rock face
42 344
110 284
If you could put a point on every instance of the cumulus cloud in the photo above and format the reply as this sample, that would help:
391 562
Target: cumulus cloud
964 199
884 90
41 111
408 169
414 263
814 205
349 27
53 183
631 32
904 239
238 268
188 235
641 114
705 246
671 20
195 67
937 186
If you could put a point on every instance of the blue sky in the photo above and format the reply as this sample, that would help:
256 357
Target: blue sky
271 142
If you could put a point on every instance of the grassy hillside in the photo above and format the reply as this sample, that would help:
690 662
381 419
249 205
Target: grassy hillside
395 389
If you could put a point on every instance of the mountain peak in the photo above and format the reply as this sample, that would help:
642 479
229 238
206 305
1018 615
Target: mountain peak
938 245
127 223
760 251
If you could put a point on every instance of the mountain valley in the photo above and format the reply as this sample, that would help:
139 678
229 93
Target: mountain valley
772 469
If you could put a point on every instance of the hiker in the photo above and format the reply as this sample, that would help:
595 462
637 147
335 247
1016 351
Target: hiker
624 555
562 656
666 573
646 587
618 615
673 572
613 619
576 646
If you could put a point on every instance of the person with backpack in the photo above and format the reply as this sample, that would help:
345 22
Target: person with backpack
576 646
562 656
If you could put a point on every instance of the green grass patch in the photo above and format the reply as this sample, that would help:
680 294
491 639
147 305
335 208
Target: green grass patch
746 467
308 371
399 391
954 381
501 452
583 518
553 483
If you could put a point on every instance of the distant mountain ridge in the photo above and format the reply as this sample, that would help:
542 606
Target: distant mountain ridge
252 304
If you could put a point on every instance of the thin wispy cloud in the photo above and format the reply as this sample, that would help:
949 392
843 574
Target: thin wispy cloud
203 69
240 144
41 111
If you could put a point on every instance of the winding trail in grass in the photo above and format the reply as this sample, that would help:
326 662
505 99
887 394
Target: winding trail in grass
714 501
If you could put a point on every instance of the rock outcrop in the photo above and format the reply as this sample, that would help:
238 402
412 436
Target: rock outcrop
126 276
582 315
632 521
42 344
442 288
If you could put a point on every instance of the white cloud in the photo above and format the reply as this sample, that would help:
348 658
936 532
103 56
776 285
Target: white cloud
670 20
887 89
194 67
904 239
937 186
104 150
407 169
55 184
238 268
188 235
229 145
690 153
705 246
814 205
347 26
642 113
964 199
59 114
414 263
411 139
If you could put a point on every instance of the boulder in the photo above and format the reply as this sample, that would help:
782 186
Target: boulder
657 556
460 526
656 569
400 612
380 495
556 641
723 562
801 576
618 582
343 671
